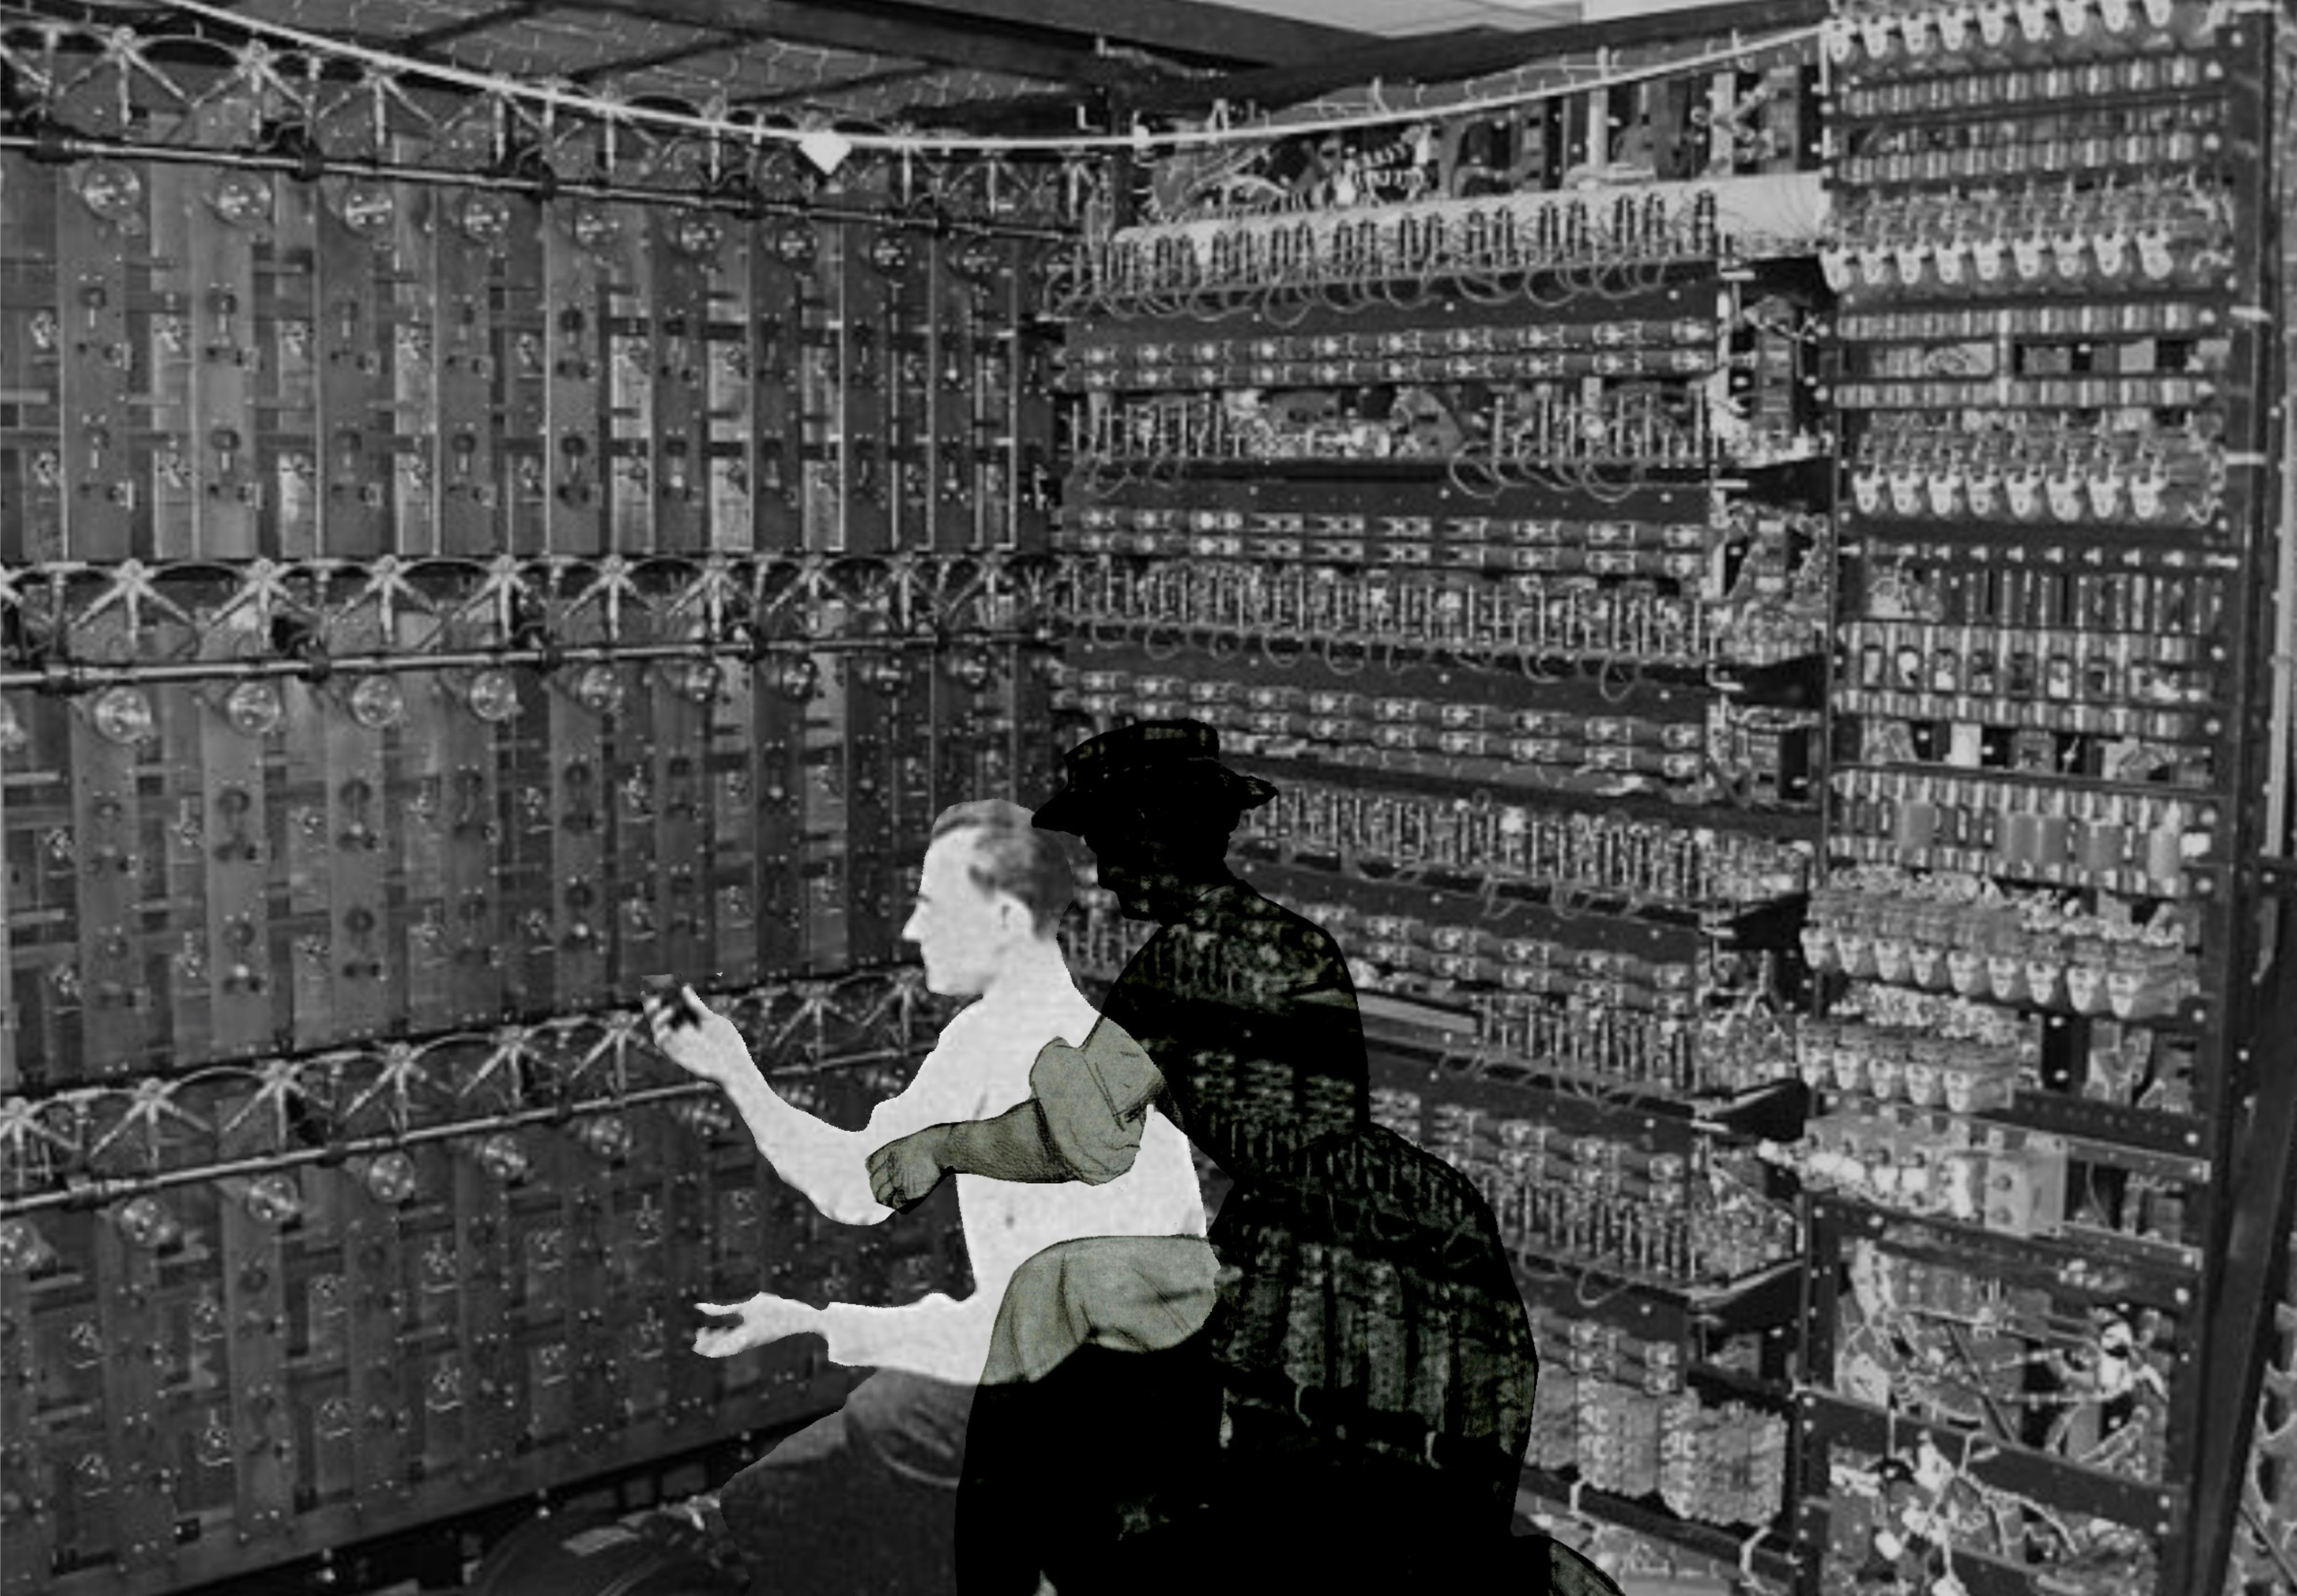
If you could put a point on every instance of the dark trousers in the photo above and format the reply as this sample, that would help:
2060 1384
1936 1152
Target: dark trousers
1092 1476
861 1501
1098 1476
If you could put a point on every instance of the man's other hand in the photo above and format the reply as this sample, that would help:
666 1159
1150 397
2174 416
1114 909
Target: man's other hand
765 1317
697 1038
905 1171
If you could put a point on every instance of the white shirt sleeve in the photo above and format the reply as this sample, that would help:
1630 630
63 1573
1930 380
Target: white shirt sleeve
940 1336
944 1336
831 1165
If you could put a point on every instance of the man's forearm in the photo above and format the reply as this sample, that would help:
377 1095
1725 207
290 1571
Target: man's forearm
945 1337
822 1161
1015 1146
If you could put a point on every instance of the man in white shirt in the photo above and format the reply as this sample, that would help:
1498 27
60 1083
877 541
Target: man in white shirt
990 895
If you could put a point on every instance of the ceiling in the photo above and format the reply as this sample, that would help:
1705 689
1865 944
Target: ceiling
927 62
1398 19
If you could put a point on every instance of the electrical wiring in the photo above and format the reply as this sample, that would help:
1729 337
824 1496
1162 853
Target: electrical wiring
562 99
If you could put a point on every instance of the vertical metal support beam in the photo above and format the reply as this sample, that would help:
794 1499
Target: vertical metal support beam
867 306
491 1400
134 1496
729 873
912 309
320 891
418 795
2255 1095
106 779
2253 1267
1034 759
778 273
678 692
352 395
587 1185
25 1472
30 528
687 1214
636 526
254 1269
1000 359
816 322
1821 1288
577 469
949 361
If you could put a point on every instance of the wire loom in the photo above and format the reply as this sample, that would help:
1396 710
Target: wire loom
216 89
72 624
97 1145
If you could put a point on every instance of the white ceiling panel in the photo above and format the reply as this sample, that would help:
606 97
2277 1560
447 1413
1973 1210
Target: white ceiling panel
1397 19
1511 18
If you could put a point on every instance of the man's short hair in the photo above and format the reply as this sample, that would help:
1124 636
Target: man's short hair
1011 855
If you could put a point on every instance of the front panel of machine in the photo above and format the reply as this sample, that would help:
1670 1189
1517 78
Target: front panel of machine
437 607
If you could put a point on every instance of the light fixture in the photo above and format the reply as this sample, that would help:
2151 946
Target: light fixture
977 259
147 1224
606 1136
593 226
889 252
377 703
123 715
599 689
243 199
502 1157
273 1200
484 217
23 1250
796 244
493 696
254 708
112 191
696 680
696 234
798 678
827 148
705 1119
367 208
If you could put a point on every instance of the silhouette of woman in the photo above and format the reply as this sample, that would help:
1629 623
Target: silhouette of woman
1348 1397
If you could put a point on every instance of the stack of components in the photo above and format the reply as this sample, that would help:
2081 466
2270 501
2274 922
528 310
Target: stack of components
2265 1554
2030 951
434 609
1496 551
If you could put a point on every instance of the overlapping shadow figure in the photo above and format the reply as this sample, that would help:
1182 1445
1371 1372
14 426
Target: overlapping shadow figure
1337 1386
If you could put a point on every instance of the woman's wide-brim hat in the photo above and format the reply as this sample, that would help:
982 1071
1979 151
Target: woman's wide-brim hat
1139 763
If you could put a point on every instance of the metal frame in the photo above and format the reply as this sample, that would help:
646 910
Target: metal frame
2246 1099
2255 988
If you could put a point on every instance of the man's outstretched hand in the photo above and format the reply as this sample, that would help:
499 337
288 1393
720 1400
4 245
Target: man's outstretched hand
697 1038
905 1171
762 1320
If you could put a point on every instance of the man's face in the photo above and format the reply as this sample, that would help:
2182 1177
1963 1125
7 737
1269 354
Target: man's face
961 932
